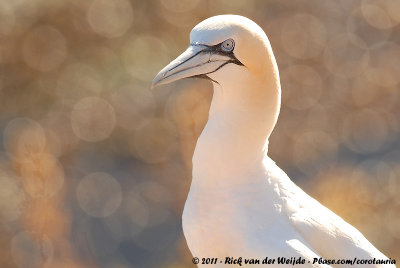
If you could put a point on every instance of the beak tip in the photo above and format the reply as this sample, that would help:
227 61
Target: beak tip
156 81
190 63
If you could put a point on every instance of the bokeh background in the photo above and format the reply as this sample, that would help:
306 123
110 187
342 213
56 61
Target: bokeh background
95 167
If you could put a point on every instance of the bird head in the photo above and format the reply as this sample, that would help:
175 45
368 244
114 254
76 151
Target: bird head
220 47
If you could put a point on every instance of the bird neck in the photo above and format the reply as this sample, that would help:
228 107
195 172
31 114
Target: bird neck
234 141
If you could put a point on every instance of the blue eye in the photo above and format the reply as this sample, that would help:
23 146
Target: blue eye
228 45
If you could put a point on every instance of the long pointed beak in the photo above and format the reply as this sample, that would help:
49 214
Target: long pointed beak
196 60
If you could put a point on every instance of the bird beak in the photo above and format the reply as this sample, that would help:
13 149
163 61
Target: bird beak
197 60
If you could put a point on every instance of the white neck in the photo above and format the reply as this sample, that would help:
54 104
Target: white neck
242 116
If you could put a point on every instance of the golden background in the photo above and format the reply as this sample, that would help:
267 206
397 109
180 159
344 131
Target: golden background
95 167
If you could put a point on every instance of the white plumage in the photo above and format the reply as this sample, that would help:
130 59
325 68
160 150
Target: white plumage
240 203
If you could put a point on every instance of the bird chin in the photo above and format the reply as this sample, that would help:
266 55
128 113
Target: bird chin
203 76
226 74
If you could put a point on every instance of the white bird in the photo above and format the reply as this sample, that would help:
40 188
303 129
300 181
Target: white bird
240 203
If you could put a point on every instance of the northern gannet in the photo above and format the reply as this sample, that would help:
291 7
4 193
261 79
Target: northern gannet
240 203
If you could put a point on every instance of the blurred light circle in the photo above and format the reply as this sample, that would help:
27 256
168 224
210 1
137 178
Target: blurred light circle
144 56
27 252
392 221
183 20
303 87
158 214
131 218
274 28
116 264
340 87
7 18
101 240
348 5
379 174
180 5
118 224
392 7
44 48
364 131
292 122
11 194
104 59
361 176
78 80
24 137
378 171
99 194
359 25
384 67
303 36
154 192
93 119
188 108
110 18
158 237
363 92
138 212
340 186
53 144
317 118
155 141
230 6
133 106
42 175
343 58
311 147
54 123
376 16
45 217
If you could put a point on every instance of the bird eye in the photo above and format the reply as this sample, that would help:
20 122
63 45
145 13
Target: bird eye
228 45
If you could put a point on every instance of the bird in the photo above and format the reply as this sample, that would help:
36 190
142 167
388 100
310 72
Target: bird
241 205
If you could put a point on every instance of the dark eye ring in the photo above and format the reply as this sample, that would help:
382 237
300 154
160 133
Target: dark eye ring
228 45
